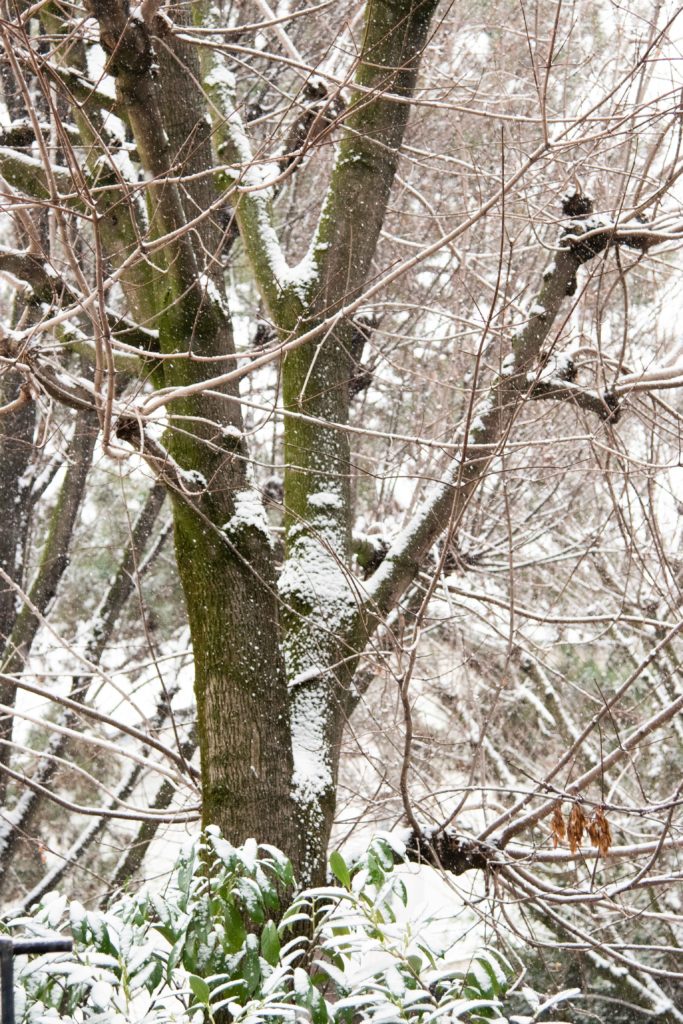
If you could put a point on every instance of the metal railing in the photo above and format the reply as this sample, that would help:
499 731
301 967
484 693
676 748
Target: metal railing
9 948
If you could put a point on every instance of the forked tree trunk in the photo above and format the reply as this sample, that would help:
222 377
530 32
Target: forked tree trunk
273 659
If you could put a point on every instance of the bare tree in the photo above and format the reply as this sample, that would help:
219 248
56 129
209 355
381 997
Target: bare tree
381 295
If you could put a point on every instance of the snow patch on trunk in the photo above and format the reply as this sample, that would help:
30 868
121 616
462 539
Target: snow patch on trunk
312 776
319 595
249 514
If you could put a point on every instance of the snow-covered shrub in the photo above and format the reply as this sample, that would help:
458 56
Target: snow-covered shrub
218 940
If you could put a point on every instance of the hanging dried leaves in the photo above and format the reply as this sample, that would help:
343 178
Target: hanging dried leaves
576 826
599 832
557 827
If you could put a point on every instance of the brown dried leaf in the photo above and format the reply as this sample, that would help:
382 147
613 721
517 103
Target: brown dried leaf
576 826
600 832
557 827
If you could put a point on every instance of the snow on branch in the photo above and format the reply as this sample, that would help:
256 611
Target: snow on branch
250 186
521 377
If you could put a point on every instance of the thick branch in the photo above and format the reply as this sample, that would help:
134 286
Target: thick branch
448 851
53 563
55 556
493 419
248 189
604 404
31 177
49 288
355 207
127 42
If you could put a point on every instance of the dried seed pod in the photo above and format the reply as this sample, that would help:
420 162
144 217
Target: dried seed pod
600 832
576 826
557 826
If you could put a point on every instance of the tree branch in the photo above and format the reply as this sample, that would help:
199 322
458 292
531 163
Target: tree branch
52 290
54 558
580 242
604 404
103 621
31 177
355 206
248 189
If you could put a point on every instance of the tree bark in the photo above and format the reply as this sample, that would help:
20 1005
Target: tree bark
274 660
320 597
223 547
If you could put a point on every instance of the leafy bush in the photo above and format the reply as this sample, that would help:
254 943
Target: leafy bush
218 944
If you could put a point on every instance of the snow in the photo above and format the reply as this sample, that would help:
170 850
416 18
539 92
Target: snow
315 578
249 853
96 60
28 161
315 585
508 367
306 676
256 179
208 286
195 481
301 277
478 424
249 514
563 363
315 574
220 77
312 776
325 499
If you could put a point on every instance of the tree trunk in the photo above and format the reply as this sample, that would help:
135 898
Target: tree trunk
320 596
272 670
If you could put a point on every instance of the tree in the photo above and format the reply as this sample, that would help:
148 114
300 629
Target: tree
151 225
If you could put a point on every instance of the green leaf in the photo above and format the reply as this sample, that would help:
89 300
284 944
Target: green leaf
270 944
251 899
318 1008
415 963
200 989
494 987
235 932
153 977
174 957
185 872
384 853
251 967
167 933
340 869
375 870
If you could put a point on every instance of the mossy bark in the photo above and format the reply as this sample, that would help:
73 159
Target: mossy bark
323 642
269 750
225 561
16 444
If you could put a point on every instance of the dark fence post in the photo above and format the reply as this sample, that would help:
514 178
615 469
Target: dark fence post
7 980
9 948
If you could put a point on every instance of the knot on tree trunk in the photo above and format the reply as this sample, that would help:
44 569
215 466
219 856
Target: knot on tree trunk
124 38
589 234
448 851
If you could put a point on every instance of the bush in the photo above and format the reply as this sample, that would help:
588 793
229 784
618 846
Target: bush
226 938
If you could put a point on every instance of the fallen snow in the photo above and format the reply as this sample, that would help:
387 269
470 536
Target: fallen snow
249 514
